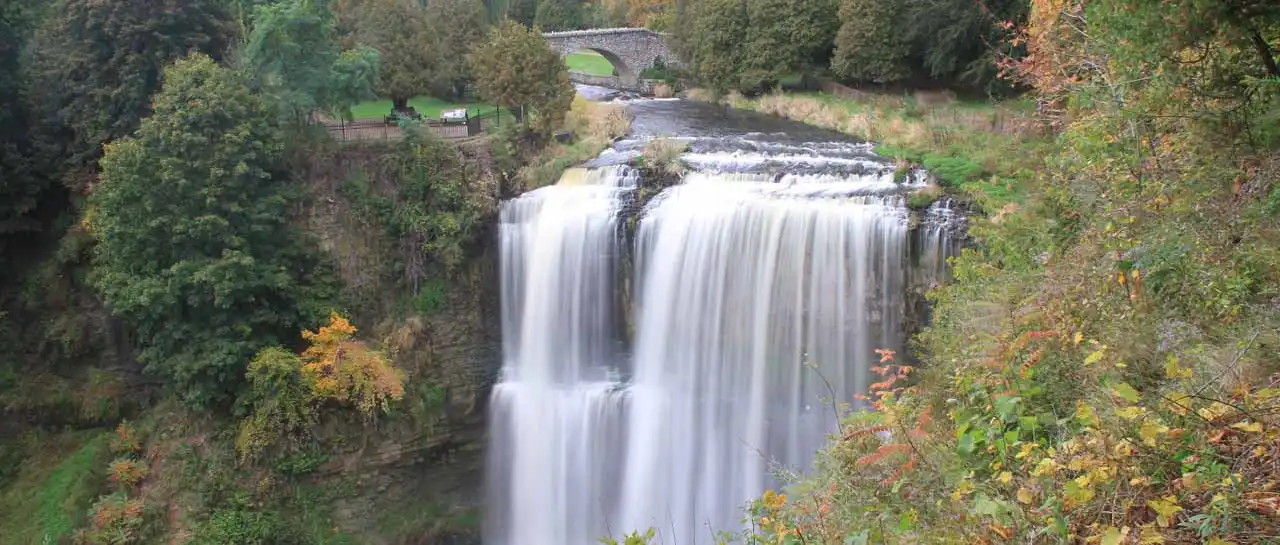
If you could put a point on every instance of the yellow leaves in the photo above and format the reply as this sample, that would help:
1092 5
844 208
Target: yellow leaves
1112 536
1096 355
1025 496
1166 509
1086 416
962 490
1151 431
774 500
1248 427
1126 392
1150 536
344 369
1005 477
1174 371
1026 450
1220 541
1214 411
1130 413
1045 468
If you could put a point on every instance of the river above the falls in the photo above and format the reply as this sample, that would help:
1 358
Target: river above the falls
664 355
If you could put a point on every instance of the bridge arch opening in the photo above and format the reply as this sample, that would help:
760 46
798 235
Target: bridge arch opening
598 62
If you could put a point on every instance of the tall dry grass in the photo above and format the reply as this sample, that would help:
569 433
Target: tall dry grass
594 126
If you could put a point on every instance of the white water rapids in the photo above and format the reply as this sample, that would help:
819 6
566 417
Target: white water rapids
759 302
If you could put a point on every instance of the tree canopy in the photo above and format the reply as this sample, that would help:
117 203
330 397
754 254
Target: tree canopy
516 70
99 61
555 15
194 245
295 60
409 49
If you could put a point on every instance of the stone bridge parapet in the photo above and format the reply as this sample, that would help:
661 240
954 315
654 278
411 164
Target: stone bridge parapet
630 50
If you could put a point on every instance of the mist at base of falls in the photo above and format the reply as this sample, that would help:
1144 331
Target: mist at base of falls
762 283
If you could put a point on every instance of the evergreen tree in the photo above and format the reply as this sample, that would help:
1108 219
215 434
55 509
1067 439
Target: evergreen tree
556 15
522 11
20 187
516 70
194 245
718 55
97 63
460 25
408 48
296 61
870 46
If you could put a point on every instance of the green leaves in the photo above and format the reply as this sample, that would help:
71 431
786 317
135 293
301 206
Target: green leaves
194 247
295 61
516 70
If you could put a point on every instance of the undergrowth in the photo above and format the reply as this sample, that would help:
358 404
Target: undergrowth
593 126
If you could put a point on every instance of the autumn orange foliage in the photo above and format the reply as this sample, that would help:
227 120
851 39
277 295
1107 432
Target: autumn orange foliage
344 369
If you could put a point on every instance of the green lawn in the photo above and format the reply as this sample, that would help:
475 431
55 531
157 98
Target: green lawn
589 62
429 107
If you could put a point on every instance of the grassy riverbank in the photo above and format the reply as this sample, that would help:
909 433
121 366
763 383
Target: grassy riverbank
589 62
983 150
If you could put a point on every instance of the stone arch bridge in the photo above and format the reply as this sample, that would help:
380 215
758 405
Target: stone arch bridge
630 50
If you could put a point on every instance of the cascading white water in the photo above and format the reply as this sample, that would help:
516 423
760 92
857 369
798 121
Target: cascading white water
760 301
757 311
556 412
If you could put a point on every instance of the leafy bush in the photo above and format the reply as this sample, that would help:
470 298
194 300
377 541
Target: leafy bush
127 473
341 368
662 156
114 520
194 244
287 392
244 527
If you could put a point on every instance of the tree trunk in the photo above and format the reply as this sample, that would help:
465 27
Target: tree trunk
1264 51
399 104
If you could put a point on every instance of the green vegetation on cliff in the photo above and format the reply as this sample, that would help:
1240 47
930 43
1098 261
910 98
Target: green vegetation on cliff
1103 367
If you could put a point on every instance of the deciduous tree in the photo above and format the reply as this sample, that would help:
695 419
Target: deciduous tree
295 60
97 63
516 70
555 15
459 27
194 245
410 54
870 47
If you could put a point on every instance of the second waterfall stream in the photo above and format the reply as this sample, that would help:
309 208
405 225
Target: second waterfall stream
662 358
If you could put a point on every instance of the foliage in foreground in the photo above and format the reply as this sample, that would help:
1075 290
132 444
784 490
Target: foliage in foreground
1102 370
287 392
194 245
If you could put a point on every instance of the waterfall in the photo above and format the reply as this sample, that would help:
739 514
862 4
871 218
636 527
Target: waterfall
558 411
760 300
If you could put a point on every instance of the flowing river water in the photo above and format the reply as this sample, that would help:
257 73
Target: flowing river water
662 358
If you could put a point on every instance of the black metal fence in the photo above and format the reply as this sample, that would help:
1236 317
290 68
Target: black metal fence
376 129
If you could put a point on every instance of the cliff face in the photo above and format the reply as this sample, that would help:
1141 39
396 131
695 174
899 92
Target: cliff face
419 471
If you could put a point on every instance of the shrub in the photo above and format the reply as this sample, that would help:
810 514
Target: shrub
244 527
127 473
343 369
125 441
281 401
663 156
286 392
114 520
